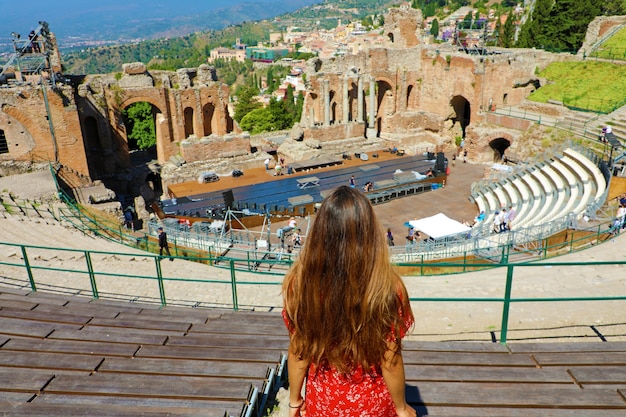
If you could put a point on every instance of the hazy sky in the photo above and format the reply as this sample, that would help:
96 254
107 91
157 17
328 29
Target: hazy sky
78 16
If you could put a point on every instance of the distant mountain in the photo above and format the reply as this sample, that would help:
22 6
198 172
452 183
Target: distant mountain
81 23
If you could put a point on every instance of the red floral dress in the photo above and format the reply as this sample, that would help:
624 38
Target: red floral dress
361 394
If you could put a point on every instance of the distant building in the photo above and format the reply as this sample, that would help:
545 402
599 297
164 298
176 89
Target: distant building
261 54
227 54
237 53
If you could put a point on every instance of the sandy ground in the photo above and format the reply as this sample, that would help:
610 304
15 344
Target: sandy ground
190 283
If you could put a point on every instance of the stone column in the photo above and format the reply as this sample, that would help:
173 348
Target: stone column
371 127
360 117
403 91
346 85
372 106
326 103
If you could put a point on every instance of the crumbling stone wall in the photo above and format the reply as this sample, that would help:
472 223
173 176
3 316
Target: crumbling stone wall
24 120
227 146
599 27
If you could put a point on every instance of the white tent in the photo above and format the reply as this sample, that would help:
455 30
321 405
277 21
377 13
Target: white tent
439 226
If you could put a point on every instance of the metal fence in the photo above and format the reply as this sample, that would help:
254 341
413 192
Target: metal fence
92 274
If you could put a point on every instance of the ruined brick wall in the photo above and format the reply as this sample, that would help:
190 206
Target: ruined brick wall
227 146
24 120
403 26
599 27
335 132
427 78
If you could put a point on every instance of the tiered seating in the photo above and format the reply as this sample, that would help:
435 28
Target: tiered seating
570 183
521 379
549 191
584 179
598 178
63 355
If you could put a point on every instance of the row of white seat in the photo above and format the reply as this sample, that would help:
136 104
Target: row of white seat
546 191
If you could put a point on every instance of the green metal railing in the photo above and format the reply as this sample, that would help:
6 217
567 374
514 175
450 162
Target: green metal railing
97 272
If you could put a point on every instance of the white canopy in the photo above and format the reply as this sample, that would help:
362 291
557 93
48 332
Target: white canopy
439 226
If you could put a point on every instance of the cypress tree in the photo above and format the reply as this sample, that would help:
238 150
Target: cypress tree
508 31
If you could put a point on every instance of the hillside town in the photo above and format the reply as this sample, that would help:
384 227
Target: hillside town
463 27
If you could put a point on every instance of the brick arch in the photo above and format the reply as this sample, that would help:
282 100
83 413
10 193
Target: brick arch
497 142
138 99
497 135
33 129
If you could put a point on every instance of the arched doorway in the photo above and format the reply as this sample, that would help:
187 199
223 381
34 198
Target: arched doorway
93 147
462 112
385 104
139 120
188 114
207 116
499 147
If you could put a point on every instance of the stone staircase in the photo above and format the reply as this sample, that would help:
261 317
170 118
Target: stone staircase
589 125
583 124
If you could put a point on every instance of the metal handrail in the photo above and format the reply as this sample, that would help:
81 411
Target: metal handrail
97 272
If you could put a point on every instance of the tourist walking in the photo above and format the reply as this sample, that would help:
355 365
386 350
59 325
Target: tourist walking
389 237
163 245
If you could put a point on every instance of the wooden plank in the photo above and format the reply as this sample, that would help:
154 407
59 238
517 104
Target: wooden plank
42 297
256 317
8 397
100 410
599 375
116 335
586 358
567 347
44 317
209 353
182 367
512 395
82 309
28 380
13 291
42 360
233 341
22 327
153 386
47 398
487 374
454 346
451 411
16 305
466 359
143 323
278 330
71 346
166 316
124 306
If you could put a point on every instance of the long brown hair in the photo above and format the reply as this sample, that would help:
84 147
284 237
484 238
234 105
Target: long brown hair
343 300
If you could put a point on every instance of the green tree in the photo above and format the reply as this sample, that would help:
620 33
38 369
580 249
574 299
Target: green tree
299 106
281 115
246 101
139 121
290 104
507 34
434 28
558 25
614 7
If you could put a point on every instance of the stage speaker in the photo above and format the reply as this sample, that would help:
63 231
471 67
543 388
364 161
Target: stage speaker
440 165
228 198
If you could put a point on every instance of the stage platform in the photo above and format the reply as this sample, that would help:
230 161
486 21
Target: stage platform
320 162
279 194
